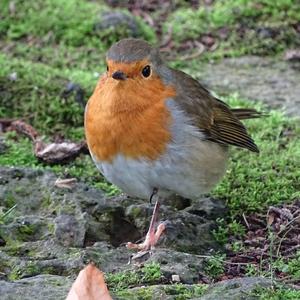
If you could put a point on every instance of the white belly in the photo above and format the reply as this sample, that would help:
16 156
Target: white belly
176 173
190 167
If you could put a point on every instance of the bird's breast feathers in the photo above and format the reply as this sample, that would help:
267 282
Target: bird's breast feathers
164 150
124 119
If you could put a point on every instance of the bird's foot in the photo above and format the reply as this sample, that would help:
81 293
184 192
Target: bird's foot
151 239
152 235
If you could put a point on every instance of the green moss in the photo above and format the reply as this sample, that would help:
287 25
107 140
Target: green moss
28 269
214 266
266 25
60 56
27 230
176 291
183 292
20 153
225 230
149 274
279 293
38 87
252 181
9 200
72 23
13 247
290 266
145 293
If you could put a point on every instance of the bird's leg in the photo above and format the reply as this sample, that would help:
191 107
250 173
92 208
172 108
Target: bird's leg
152 236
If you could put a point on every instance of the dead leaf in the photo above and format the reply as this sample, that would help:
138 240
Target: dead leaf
89 285
270 219
292 55
67 183
53 153
58 152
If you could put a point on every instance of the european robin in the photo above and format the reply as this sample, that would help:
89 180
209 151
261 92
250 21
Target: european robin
152 130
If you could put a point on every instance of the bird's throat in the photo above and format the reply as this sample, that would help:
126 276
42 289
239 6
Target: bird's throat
127 120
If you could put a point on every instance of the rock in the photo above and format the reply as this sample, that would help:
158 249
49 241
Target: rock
187 266
175 278
69 230
57 231
235 289
188 229
54 221
44 287
76 90
117 20
292 55
270 80
267 32
26 228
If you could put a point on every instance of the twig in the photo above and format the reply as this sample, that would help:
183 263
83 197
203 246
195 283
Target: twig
291 249
281 240
288 224
245 220
201 49
167 38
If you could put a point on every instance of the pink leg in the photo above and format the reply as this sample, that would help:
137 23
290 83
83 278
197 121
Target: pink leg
152 236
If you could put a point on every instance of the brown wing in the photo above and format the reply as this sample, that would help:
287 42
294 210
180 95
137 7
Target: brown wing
214 118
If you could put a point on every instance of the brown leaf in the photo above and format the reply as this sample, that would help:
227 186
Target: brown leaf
292 55
67 183
58 152
53 153
89 285
270 219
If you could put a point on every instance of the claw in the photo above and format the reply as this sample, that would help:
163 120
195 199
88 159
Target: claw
150 240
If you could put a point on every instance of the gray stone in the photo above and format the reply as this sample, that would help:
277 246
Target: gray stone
235 289
43 287
70 230
58 231
271 80
188 230
116 20
187 266
26 228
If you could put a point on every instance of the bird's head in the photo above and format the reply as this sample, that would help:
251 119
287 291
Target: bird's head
135 74
132 59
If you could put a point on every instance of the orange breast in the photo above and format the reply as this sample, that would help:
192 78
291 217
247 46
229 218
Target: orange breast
128 117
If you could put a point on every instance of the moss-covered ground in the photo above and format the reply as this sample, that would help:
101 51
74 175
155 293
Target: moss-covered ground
46 45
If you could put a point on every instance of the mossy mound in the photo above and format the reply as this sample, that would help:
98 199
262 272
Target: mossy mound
71 22
263 27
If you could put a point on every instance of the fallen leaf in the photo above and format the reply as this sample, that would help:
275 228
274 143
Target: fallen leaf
53 153
270 219
89 285
292 55
67 183
58 152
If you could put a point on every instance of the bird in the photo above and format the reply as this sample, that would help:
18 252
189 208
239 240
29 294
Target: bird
154 131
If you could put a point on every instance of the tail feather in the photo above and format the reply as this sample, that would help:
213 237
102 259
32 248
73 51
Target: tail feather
246 113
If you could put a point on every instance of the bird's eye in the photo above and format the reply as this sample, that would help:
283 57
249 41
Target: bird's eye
146 71
107 68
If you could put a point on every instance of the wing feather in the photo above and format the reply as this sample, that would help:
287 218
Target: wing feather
215 119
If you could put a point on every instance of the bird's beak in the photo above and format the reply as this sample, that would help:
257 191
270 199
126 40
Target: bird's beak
119 75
